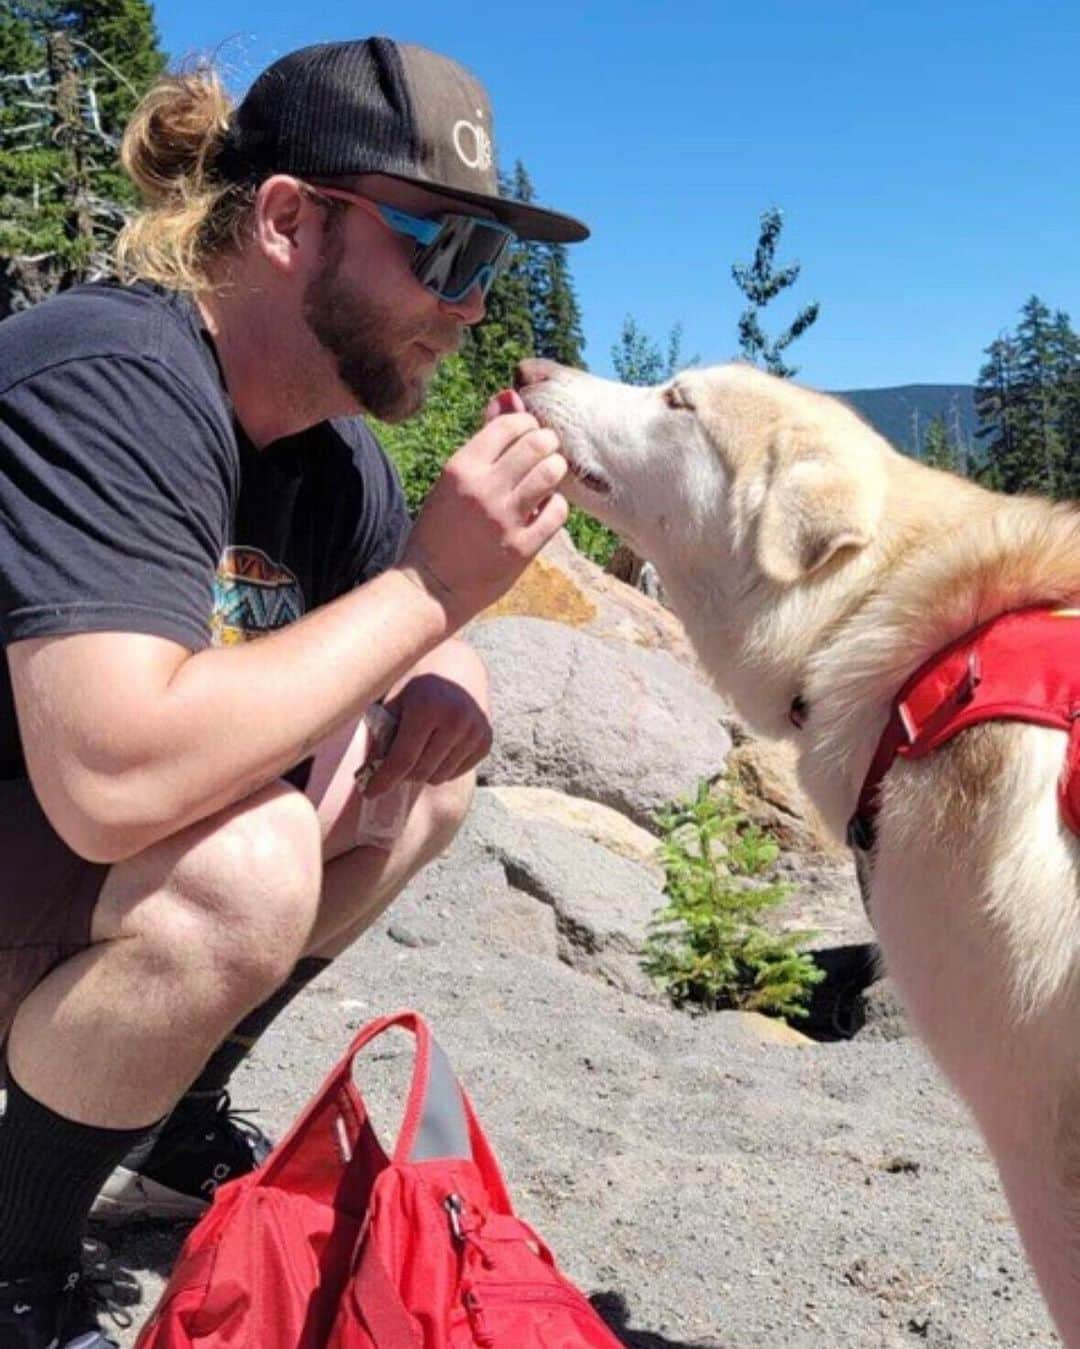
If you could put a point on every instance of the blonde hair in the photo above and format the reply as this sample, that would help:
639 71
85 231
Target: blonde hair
191 217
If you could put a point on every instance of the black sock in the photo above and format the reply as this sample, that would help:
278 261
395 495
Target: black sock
51 1169
228 1056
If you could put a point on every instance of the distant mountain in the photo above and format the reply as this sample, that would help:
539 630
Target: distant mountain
902 414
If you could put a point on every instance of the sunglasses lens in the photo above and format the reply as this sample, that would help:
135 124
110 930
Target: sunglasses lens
467 252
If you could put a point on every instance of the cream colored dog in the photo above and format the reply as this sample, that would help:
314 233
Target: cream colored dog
813 566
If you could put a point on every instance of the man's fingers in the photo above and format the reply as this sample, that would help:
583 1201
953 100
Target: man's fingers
508 400
406 748
466 758
438 751
492 442
545 524
416 765
528 453
539 483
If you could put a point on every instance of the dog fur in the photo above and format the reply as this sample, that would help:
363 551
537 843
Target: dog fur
807 558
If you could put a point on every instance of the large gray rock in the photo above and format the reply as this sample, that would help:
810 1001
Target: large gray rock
590 819
563 586
630 728
603 903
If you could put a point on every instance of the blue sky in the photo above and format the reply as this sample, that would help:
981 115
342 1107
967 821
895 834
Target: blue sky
924 155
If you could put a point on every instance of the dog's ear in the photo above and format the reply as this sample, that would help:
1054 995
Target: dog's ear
816 505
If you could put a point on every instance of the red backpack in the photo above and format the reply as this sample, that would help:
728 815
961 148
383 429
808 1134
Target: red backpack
333 1245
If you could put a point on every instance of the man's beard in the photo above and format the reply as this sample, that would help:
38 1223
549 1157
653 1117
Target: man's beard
361 335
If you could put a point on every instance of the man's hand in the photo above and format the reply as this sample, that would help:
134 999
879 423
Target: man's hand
492 509
444 726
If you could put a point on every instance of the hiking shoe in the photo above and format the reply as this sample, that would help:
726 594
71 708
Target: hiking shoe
173 1177
60 1310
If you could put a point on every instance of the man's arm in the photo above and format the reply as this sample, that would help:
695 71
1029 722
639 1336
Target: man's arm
129 738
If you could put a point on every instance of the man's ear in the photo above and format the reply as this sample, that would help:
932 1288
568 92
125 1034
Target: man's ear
816 506
283 213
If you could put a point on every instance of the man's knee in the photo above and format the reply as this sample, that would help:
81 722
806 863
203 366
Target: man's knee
239 904
448 804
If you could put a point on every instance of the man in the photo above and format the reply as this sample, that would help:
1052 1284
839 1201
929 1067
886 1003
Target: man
179 813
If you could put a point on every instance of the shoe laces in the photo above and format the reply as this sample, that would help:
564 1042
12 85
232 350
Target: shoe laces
97 1291
235 1118
85 1293
216 1113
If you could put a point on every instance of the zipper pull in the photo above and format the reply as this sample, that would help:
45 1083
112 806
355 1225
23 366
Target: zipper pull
465 1236
454 1207
477 1321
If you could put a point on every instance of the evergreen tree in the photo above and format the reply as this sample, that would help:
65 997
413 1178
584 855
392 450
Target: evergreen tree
1065 347
1028 401
519 185
940 450
553 307
997 406
70 75
120 55
761 283
493 348
557 324
532 309
1042 448
639 360
636 358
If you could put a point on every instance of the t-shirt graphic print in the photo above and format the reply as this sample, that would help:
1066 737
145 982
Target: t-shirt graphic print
253 595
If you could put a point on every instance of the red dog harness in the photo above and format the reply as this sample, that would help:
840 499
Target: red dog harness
1021 666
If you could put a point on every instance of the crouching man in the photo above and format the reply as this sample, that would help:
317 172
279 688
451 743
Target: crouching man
182 469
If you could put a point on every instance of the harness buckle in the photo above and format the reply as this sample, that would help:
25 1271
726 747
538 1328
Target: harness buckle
958 696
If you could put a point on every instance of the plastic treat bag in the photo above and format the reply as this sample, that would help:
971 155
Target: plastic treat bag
381 819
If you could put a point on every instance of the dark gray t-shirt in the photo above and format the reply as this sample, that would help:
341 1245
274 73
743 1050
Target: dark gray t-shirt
131 501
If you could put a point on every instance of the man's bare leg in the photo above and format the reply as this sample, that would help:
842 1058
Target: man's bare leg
359 885
186 938
173 1174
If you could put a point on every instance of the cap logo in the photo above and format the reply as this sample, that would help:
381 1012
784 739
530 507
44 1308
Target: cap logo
473 144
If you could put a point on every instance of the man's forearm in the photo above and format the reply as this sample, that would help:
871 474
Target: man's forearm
231 719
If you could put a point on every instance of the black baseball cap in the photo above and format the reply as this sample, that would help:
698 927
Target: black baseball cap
379 106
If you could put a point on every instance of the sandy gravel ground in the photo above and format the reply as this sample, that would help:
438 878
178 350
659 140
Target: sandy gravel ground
707 1190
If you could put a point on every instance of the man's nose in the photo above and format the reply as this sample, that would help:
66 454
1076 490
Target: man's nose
471 308
534 370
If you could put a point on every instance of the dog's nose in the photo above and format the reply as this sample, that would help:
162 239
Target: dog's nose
533 371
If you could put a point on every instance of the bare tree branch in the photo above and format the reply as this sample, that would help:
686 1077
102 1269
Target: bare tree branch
78 42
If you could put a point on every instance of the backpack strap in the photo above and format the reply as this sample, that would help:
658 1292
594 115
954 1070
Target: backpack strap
386 1318
334 1136
441 1126
338 1108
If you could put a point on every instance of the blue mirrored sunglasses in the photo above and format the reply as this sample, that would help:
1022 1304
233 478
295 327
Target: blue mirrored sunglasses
453 252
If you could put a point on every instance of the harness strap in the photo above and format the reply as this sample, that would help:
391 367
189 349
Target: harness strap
1021 666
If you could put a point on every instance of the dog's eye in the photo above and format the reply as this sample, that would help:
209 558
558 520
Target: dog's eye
677 398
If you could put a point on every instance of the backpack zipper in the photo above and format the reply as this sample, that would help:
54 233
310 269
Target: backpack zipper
465 1236
477 1321
453 1205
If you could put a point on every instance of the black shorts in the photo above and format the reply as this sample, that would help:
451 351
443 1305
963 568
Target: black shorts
47 893
47 897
